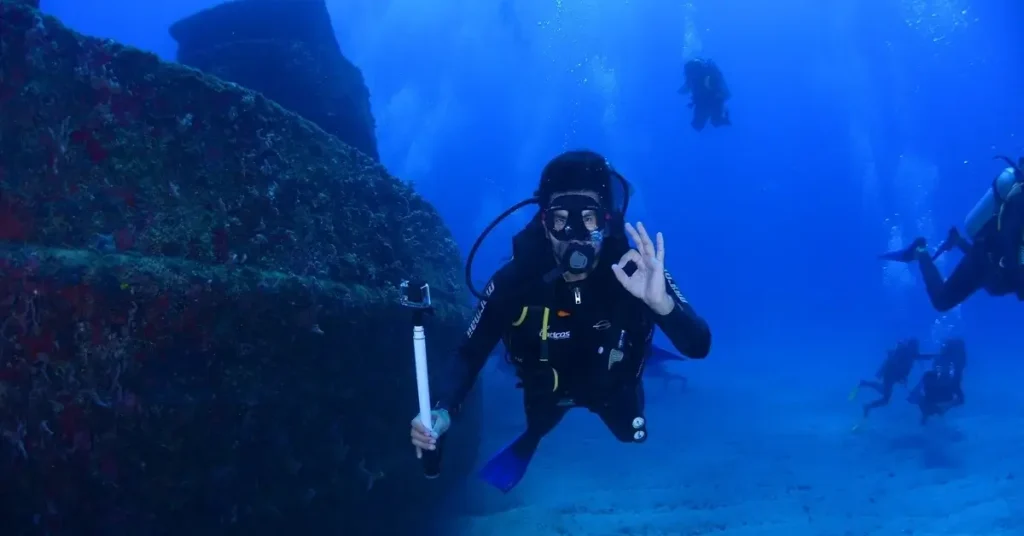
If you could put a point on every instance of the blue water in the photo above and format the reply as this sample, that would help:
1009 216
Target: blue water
858 125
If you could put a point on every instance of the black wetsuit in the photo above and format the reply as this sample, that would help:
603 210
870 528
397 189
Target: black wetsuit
995 262
979 268
708 92
895 369
941 388
597 336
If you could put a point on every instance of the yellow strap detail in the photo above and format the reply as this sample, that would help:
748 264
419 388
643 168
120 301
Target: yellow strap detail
555 388
544 325
522 317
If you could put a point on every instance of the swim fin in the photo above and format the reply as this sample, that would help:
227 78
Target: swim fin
907 254
953 240
507 468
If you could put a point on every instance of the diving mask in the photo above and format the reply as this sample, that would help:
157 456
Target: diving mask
575 217
579 221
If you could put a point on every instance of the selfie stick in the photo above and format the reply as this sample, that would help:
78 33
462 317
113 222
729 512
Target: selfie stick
416 296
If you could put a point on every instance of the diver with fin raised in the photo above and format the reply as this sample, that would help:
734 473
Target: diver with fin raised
576 308
993 248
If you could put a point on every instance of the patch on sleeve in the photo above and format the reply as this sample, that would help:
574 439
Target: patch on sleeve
480 310
675 288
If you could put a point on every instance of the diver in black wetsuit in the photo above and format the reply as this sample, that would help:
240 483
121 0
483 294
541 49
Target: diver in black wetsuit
576 308
510 20
895 369
708 93
995 260
941 388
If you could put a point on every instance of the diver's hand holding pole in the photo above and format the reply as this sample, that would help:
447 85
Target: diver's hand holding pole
416 296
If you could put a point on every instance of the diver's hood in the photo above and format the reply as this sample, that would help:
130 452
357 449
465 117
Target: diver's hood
526 244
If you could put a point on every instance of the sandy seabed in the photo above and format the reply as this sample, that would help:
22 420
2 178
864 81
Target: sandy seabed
748 460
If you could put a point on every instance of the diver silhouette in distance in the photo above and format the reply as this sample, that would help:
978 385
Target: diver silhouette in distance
705 84
896 368
941 388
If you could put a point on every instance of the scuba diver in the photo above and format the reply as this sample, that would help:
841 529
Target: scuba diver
941 388
708 93
510 20
576 308
994 261
895 369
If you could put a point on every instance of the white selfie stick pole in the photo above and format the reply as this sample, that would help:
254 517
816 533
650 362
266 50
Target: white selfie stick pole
419 347
416 296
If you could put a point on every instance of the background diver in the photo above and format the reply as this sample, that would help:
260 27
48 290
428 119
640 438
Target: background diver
896 368
577 324
941 388
994 261
706 86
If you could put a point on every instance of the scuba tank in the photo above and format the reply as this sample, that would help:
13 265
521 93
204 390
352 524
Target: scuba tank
989 204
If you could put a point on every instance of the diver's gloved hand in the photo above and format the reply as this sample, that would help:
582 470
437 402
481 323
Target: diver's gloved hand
424 439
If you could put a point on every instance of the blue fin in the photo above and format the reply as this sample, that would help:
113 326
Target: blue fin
657 353
508 467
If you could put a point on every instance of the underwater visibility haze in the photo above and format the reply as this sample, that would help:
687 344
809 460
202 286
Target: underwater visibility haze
207 209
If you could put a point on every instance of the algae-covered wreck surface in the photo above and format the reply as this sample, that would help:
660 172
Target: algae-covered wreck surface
198 306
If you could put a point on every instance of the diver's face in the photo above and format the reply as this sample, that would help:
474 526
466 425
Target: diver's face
561 218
